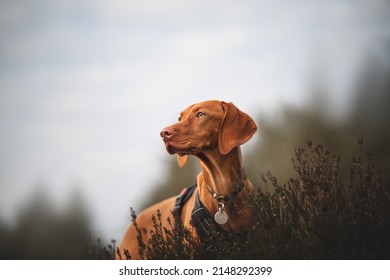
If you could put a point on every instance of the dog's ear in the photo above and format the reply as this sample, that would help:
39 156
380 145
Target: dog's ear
182 160
236 128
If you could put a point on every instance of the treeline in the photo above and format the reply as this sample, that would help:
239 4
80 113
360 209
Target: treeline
44 231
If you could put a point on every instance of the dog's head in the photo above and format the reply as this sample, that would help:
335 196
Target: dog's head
205 126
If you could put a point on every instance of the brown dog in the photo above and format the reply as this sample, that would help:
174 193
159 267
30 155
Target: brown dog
212 131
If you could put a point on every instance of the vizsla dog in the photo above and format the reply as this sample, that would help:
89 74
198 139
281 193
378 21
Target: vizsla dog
212 131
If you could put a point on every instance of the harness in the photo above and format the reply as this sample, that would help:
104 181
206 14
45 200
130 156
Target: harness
209 232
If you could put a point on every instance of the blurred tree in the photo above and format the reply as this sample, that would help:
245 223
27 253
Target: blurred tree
44 232
5 244
368 118
279 137
370 113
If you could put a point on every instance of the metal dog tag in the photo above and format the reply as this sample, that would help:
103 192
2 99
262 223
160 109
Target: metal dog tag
221 217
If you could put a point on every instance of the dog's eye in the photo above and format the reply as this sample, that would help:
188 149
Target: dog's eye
200 114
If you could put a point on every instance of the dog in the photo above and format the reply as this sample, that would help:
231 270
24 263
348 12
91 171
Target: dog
213 132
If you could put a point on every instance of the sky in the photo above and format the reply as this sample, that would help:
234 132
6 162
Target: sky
86 86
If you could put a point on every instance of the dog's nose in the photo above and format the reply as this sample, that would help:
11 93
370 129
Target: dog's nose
166 133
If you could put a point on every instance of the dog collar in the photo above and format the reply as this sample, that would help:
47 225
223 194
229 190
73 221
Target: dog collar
221 217
224 199
236 191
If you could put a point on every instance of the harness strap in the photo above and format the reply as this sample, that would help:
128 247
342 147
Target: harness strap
208 231
181 199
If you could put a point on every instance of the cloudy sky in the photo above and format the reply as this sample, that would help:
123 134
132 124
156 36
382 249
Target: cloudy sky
86 86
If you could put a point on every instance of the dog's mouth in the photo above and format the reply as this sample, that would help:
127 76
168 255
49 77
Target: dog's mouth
169 148
173 149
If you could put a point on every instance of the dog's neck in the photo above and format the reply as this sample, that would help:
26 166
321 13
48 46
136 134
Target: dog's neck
222 174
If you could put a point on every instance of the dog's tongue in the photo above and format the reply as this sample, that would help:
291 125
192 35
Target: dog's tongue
182 160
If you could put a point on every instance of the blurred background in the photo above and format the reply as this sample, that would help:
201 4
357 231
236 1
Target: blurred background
86 87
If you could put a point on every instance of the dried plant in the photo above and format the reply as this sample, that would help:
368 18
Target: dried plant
314 215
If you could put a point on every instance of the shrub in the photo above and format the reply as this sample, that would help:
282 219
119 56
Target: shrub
314 215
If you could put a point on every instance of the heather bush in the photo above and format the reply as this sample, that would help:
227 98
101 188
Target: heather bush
314 215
